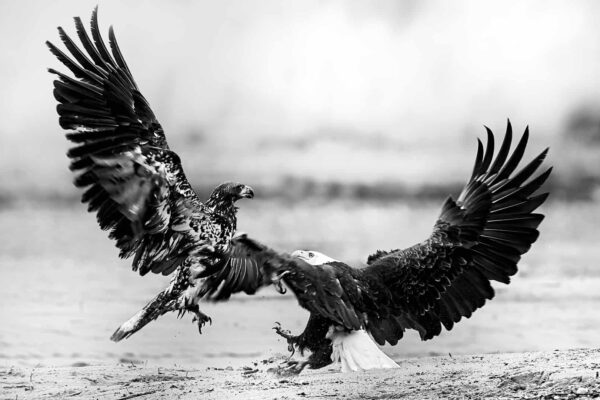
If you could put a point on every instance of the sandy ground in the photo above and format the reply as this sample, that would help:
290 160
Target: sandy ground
542 375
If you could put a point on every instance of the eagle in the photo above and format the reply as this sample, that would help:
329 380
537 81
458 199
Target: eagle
133 181
136 186
477 238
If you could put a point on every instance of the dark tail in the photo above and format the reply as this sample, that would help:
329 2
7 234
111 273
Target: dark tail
164 302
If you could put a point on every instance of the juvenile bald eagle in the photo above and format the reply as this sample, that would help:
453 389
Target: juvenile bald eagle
133 181
477 238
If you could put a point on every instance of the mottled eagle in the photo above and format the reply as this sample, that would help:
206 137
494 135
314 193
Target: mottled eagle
478 238
133 181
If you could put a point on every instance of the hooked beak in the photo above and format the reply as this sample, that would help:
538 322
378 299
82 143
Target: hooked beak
247 192
301 254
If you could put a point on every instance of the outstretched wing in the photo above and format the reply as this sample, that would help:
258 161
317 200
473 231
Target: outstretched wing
133 182
478 238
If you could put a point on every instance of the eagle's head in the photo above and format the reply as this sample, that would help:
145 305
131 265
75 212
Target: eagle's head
313 257
228 193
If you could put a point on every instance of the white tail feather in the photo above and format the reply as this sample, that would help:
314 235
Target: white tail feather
356 351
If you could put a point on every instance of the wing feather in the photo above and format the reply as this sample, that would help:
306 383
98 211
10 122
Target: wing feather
244 268
502 153
131 179
479 238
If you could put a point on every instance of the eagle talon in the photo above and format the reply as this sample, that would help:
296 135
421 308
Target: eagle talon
291 349
280 288
283 332
291 367
276 280
201 319
287 335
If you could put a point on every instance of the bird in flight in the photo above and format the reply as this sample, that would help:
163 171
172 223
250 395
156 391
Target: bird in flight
478 238
132 179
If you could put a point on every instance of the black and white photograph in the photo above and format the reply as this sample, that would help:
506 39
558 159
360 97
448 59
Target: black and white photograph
300 199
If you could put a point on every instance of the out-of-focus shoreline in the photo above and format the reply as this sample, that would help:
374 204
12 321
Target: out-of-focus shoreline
296 189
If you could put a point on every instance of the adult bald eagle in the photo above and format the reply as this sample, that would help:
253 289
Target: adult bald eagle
477 238
133 181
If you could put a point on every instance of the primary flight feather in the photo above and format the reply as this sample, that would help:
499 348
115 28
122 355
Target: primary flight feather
132 179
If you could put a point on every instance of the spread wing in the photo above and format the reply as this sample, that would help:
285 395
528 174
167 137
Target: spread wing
132 180
478 238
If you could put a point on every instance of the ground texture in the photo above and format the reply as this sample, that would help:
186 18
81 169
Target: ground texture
569 374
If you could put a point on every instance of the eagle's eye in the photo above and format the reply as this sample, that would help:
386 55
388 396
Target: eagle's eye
311 254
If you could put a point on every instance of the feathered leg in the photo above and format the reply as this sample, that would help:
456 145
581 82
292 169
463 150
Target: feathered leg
180 296
164 302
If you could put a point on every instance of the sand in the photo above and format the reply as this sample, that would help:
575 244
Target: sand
541 375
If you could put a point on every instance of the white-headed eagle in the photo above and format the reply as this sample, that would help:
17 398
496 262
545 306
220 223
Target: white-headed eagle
133 181
478 238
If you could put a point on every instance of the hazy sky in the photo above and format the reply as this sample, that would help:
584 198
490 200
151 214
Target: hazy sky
247 72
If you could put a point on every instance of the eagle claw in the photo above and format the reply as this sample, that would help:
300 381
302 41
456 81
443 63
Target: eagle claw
201 319
282 332
291 367
287 335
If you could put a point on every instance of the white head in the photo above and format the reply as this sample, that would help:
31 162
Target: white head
312 257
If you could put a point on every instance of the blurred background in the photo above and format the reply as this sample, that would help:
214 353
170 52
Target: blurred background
353 120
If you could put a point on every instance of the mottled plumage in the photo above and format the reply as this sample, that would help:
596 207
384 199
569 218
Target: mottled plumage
130 177
477 238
